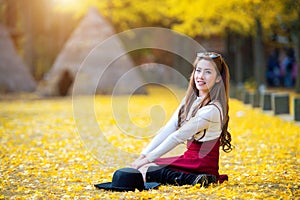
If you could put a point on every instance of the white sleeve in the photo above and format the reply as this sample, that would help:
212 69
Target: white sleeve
163 133
201 121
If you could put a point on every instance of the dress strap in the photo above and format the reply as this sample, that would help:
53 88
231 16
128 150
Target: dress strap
219 112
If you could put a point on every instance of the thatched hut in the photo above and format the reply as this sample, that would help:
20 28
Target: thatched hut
14 75
76 63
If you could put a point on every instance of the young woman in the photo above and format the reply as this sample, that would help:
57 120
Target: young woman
202 121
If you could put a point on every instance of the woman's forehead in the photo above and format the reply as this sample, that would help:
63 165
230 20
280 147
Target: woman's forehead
205 64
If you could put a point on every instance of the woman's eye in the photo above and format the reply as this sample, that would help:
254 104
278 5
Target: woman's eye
198 70
208 72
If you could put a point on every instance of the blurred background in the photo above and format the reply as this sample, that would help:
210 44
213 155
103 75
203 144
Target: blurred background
258 38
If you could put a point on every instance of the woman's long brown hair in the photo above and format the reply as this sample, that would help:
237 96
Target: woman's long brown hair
219 92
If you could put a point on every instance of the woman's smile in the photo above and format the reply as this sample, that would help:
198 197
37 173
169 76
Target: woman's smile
201 83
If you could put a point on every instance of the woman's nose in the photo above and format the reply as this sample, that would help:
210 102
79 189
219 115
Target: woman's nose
200 75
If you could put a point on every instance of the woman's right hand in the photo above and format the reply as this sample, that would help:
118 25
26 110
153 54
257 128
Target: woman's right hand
140 163
138 160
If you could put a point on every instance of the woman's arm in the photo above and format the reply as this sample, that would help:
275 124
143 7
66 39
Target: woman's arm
201 121
163 133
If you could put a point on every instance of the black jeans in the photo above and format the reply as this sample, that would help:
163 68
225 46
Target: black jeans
165 175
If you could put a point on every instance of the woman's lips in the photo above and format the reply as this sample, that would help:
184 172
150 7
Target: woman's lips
201 83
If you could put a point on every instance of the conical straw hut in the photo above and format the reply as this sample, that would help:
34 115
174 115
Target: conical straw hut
83 60
14 75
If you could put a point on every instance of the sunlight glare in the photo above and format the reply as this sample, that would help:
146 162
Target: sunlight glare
67 4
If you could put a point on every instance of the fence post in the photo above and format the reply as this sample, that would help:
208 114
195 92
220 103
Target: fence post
254 99
297 109
240 90
265 101
246 97
280 103
233 91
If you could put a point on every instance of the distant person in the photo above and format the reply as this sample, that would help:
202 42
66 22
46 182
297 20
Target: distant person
273 69
294 72
201 120
287 68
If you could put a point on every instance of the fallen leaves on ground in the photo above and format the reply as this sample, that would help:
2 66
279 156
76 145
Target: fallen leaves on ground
49 151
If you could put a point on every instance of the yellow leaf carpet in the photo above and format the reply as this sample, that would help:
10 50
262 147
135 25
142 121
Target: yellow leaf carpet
48 151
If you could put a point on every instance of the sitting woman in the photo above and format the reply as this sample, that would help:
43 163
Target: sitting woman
201 120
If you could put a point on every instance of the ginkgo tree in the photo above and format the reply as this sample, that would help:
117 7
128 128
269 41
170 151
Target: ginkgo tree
124 14
290 19
250 17
254 18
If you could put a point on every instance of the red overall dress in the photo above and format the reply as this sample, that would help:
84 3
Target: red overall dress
199 158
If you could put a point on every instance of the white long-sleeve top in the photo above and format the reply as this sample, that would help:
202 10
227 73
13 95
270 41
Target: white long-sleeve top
207 118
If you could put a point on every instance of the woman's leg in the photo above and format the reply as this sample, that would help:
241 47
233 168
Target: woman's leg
144 169
165 175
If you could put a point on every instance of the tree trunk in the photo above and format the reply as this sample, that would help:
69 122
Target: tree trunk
28 45
181 63
296 42
238 59
259 62
230 55
11 20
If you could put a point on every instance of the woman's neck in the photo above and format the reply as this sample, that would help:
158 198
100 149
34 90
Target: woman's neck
202 94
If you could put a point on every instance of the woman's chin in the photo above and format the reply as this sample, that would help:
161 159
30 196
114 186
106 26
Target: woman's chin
202 88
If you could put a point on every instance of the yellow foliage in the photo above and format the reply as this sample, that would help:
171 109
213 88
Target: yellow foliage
43 156
193 18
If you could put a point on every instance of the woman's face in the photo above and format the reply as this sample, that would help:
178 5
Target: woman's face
205 76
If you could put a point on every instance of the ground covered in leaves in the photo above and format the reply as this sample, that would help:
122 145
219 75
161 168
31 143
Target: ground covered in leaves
49 150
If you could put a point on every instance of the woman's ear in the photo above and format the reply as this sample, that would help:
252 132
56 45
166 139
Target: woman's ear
219 78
